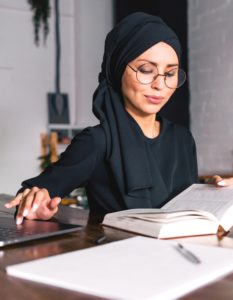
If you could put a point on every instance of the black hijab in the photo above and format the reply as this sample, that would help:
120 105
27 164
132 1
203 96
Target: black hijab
127 151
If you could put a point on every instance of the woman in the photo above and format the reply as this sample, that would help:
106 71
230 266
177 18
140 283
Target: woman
134 158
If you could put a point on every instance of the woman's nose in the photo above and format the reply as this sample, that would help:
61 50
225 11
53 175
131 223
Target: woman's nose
158 82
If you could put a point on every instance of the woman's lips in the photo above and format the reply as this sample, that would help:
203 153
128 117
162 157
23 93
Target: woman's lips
154 99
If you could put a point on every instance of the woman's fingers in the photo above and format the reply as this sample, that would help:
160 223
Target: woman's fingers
34 203
15 201
226 182
41 196
19 216
53 204
218 180
221 182
48 209
27 202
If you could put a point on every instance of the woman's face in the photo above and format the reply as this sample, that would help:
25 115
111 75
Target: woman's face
147 99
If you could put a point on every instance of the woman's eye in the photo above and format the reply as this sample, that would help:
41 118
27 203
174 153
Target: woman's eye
171 73
146 70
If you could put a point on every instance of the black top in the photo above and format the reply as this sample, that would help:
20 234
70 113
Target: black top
125 147
173 166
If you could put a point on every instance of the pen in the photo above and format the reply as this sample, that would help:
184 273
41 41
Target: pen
100 240
187 254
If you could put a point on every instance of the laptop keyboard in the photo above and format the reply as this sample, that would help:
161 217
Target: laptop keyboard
10 233
13 233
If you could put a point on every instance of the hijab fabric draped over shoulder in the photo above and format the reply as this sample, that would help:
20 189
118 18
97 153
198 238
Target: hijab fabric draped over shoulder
127 151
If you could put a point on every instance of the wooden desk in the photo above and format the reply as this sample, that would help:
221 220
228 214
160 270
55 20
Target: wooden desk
13 288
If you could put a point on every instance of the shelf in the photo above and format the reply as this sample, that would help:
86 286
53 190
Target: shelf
65 132
65 126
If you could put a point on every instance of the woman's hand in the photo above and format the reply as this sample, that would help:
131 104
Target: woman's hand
219 181
34 203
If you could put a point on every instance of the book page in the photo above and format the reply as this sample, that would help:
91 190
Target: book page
158 213
164 214
206 197
167 216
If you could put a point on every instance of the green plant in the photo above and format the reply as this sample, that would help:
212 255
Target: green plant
45 161
41 13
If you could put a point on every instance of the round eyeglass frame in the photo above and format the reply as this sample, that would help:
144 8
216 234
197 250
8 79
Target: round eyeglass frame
181 81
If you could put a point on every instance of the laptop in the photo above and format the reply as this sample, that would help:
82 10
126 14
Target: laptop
30 230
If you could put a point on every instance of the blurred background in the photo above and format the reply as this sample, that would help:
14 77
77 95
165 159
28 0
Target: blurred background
28 74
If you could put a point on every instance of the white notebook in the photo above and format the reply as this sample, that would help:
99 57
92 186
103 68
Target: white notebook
135 268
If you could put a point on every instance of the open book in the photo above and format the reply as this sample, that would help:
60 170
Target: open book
200 209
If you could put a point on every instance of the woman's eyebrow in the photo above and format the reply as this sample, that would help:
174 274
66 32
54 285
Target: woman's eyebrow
156 64
172 65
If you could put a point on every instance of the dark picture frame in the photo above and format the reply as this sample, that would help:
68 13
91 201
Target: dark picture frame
58 108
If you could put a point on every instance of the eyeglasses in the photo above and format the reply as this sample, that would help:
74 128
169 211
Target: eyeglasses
147 73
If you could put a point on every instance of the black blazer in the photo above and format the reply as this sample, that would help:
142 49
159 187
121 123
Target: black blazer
84 164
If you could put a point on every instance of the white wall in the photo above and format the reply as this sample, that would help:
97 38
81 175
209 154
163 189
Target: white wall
211 77
27 75
93 20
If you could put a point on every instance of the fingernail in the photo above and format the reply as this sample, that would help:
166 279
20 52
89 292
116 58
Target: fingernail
25 212
221 183
34 207
7 205
19 221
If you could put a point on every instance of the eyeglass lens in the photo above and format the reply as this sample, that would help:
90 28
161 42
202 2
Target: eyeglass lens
173 79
